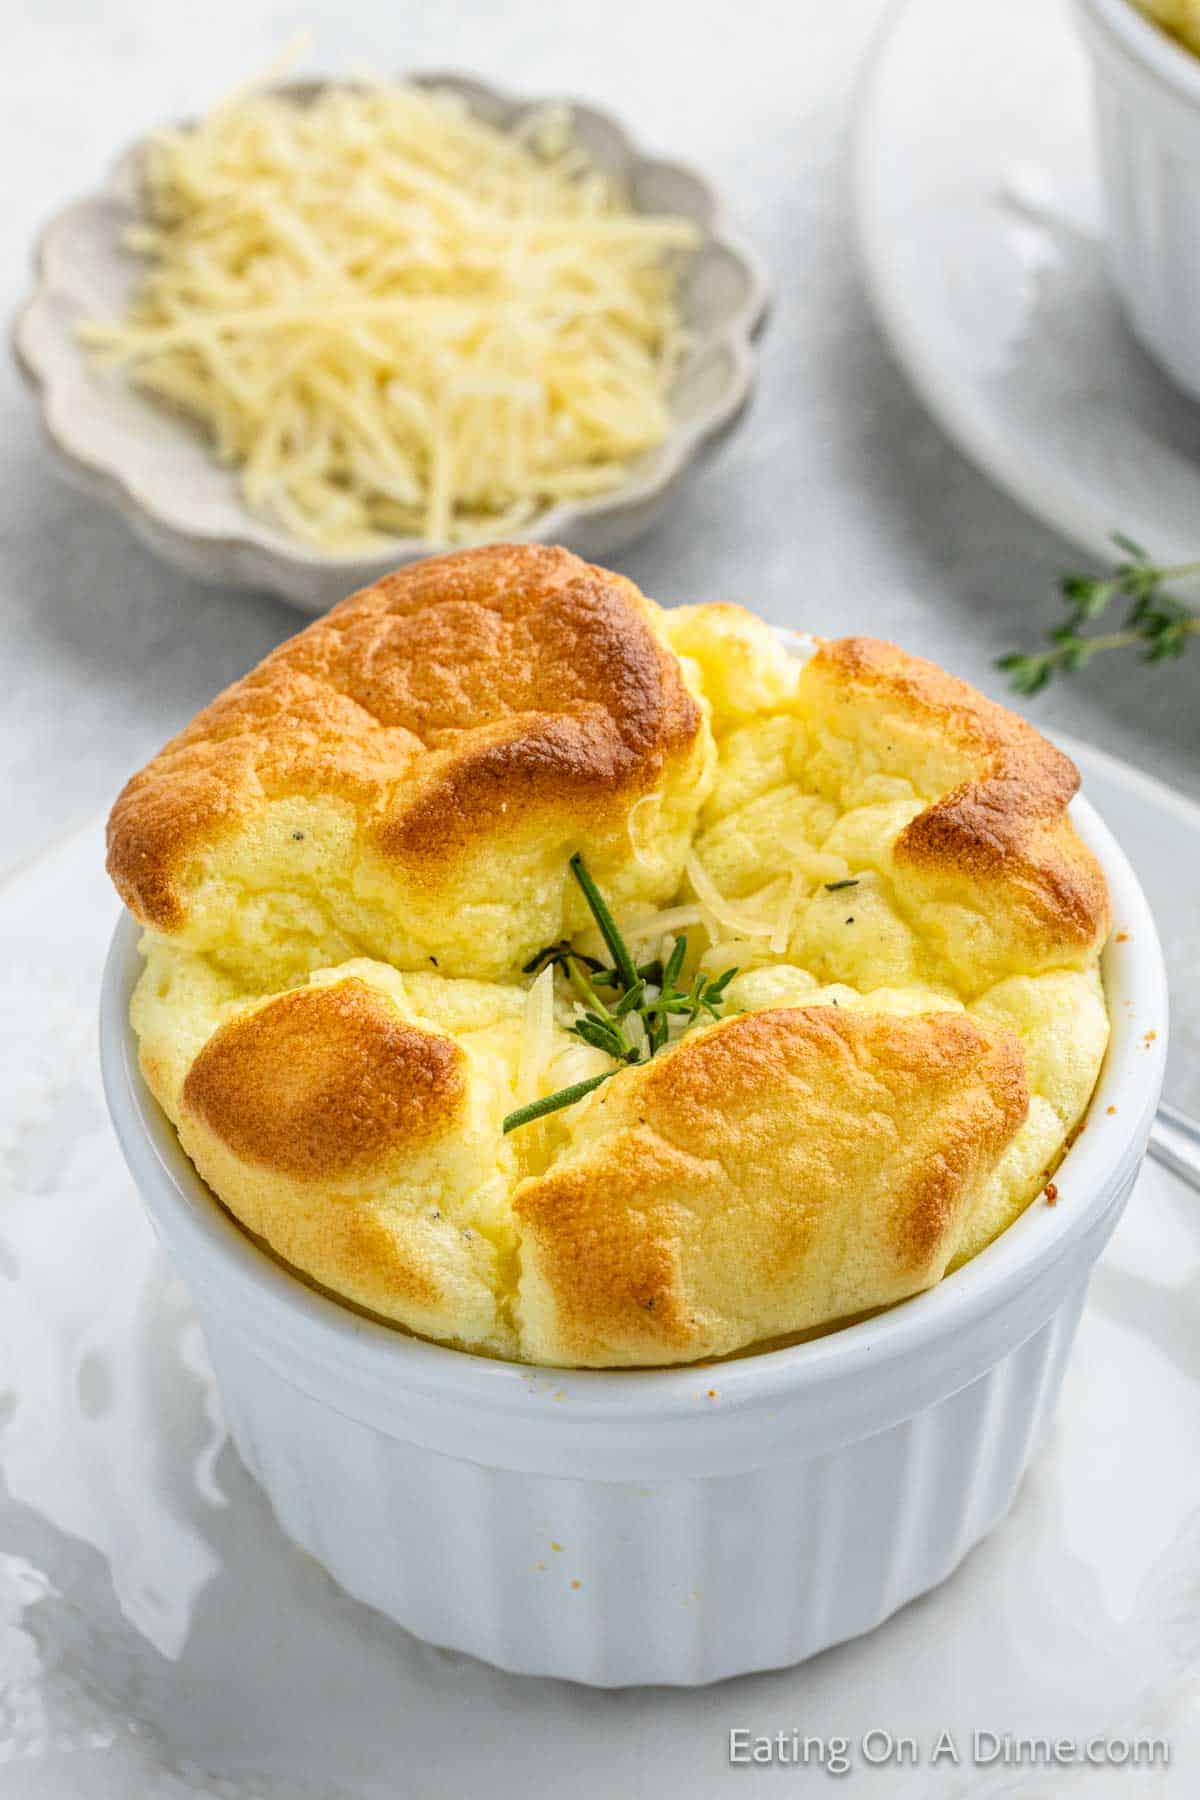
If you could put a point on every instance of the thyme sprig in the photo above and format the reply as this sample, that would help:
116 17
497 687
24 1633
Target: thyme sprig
1155 620
650 991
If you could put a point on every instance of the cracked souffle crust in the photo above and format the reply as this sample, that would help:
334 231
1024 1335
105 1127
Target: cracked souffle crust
1003 828
784 1169
345 862
321 1081
433 748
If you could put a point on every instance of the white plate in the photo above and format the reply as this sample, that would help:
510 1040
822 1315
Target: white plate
978 215
159 1638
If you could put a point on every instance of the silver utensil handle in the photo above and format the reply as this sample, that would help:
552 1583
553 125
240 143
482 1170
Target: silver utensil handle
1175 1142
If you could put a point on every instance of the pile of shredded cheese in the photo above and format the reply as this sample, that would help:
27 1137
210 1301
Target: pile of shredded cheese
397 319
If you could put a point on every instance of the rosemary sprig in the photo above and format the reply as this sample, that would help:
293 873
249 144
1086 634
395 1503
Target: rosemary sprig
1155 620
603 1025
622 961
537 1109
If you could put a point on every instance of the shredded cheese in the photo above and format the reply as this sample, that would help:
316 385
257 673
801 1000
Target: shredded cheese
730 953
537 1036
713 902
576 1062
808 866
639 853
660 924
781 931
818 865
396 318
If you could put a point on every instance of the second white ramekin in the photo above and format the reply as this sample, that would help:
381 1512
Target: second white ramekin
660 1526
1147 101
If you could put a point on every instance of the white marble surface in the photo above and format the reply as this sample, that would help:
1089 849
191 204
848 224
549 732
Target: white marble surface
838 507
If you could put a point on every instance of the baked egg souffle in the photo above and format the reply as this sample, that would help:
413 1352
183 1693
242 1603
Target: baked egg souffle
433 861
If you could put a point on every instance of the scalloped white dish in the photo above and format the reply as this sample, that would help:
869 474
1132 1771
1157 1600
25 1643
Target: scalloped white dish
157 470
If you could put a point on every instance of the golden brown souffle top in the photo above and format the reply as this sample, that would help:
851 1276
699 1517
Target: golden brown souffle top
346 861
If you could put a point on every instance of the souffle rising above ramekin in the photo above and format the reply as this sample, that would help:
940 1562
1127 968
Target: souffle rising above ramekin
382 878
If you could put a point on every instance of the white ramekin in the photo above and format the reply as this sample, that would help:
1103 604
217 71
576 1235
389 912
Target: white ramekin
658 1526
1147 100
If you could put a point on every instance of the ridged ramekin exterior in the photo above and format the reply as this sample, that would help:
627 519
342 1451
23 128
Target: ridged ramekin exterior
617 1582
1147 109
674 1526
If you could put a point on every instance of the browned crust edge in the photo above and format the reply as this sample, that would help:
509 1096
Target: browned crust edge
1006 827
323 1080
606 1228
512 672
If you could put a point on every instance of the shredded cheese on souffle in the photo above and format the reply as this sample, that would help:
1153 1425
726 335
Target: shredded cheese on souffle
732 918
394 317
537 1036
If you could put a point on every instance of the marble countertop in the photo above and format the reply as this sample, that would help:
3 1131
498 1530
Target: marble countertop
838 506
